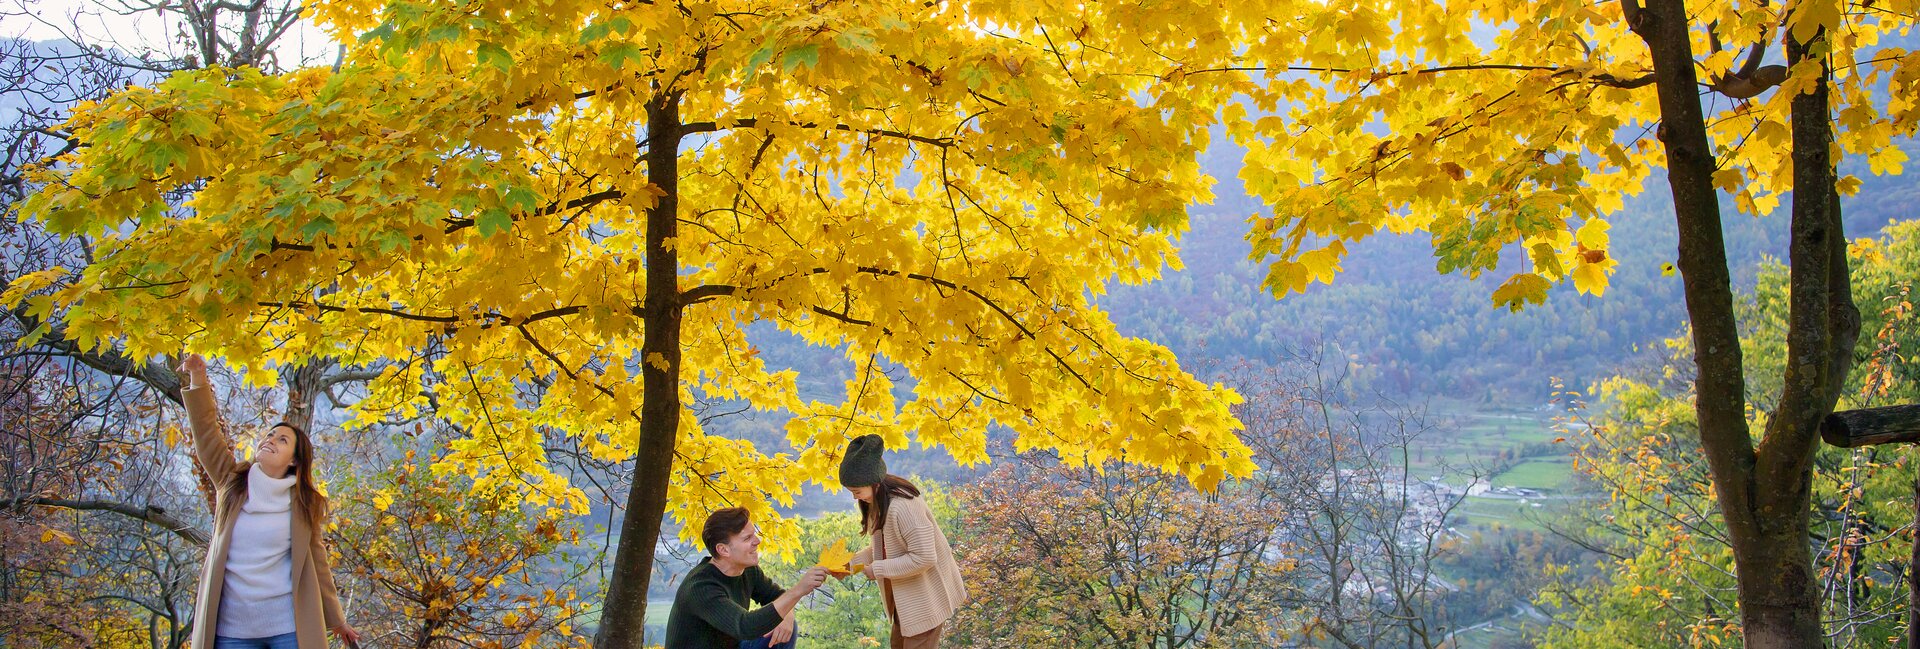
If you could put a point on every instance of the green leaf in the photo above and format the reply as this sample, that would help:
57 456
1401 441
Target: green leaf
1025 159
191 123
858 38
493 220
595 32
445 33
759 58
383 32
209 311
318 226
618 54
33 337
1058 129
975 75
496 56
163 156
392 240
807 55
521 199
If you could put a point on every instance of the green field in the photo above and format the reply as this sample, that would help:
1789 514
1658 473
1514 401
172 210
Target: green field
1538 473
1478 439
1503 512
1508 630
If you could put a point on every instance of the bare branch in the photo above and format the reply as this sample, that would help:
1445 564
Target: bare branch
149 513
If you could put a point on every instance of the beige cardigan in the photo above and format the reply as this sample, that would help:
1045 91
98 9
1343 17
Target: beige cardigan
316 607
919 566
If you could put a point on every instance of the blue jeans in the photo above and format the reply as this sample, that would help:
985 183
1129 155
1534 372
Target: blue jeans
282 641
760 642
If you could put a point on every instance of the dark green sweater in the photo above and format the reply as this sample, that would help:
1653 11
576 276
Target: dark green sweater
710 611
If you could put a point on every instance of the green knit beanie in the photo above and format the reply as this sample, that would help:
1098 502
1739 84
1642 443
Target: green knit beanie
863 466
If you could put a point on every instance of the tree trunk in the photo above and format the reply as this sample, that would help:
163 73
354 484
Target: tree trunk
623 616
1779 603
303 390
1763 493
1782 607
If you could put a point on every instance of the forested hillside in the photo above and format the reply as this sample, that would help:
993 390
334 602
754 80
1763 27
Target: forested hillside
1419 333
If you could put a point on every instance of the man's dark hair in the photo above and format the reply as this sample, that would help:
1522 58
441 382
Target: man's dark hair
722 526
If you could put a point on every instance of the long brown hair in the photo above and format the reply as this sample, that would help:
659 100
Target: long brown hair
873 516
304 491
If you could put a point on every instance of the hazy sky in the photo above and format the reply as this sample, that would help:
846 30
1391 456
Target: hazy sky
109 23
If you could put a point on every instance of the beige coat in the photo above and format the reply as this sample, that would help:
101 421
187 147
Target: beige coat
918 565
316 607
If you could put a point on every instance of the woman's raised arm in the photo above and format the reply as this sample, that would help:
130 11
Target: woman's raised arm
211 445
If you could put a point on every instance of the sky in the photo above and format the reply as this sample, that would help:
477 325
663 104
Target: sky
113 23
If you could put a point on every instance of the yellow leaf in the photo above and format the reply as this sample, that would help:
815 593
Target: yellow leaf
1520 290
52 534
1810 16
1591 278
1285 277
836 558
1593 234
1727 179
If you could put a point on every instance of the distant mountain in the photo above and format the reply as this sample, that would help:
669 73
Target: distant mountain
1415 332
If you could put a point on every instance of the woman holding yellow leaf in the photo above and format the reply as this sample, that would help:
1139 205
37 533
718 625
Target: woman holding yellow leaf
910 557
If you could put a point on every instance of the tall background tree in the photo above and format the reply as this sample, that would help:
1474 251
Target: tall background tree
1510 131
1666 553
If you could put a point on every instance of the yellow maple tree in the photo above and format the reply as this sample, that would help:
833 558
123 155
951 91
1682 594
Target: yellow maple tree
562 222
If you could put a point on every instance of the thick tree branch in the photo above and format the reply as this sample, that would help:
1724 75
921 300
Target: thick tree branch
587 201
149 513
1604 78
711 291
108 361
347 376
707 127
1817 345
485 320
1870 426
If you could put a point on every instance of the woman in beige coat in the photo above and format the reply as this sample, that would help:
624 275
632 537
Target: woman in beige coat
266 584
919 580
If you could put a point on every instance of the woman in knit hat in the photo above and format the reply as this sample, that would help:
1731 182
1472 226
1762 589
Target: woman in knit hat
266 583
910 557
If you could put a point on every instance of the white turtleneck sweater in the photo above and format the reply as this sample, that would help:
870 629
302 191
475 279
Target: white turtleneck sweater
257 599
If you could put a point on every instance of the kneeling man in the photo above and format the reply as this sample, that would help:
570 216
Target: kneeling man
711 609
